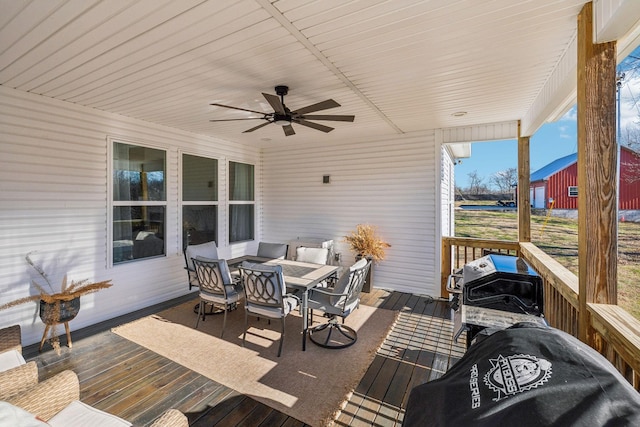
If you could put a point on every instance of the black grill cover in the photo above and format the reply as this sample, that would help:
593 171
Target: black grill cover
526 375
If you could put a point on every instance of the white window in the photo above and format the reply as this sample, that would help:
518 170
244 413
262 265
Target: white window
199 200
573 191
139 202
241 202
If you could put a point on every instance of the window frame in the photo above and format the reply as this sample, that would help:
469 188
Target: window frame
231 202
182 203
111 203
572 191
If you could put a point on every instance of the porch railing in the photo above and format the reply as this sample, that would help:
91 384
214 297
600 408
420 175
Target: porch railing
616 332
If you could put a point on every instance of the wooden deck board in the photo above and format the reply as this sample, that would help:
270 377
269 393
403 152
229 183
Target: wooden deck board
130 381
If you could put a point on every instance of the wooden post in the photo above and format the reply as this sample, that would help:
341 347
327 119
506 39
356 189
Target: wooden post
597 157
524 195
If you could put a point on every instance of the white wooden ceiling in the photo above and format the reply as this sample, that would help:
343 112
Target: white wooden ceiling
399 66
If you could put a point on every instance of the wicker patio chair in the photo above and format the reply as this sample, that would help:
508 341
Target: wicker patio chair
56 400
11 339
17 380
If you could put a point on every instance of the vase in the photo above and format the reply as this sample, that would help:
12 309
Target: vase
368 281
59 311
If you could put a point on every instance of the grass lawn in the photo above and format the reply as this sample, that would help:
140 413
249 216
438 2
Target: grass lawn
559 238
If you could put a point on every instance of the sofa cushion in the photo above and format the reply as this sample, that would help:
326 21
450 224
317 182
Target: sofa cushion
10 359
82 415
14 416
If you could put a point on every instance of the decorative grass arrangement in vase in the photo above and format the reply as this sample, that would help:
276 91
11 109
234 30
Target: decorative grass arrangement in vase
365 243
57 307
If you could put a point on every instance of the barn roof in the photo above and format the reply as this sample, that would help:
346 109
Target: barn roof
557 165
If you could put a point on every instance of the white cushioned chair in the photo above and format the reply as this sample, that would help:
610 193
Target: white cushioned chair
217 287
312 255
340 301
272 250
265 295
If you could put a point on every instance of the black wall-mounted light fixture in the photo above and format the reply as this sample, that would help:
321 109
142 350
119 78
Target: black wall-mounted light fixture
326 179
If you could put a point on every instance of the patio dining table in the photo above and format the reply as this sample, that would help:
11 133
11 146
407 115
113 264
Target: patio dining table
300 276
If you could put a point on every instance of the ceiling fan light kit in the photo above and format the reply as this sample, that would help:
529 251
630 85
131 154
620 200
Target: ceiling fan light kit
283 116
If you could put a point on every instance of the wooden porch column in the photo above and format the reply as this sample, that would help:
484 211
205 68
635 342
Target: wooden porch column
524 195
597 157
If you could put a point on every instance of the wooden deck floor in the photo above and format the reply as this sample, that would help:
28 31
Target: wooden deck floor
137 384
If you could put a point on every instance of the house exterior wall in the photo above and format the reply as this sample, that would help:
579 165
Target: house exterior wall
447 193
557 188
388 184
53 200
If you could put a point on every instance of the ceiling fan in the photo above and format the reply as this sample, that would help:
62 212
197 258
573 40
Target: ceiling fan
284 117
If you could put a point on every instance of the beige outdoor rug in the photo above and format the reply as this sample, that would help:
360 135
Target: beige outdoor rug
310 386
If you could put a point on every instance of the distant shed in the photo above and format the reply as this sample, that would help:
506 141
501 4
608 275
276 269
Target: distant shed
558 182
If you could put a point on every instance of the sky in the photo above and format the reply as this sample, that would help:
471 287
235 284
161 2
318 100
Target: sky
552 140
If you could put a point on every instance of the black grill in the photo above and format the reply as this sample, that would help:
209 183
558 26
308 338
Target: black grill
496 282
502 282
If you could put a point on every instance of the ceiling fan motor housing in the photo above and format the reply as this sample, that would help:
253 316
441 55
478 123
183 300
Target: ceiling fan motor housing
282 119
282 90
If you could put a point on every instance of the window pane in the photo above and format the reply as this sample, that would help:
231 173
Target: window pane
199 178
199 224
138 232
240 223
240 182
138 173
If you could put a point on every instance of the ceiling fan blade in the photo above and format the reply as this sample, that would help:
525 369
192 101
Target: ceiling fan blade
317 126
275 103
257 127
288 130
233 120
338 118
324 105
237 108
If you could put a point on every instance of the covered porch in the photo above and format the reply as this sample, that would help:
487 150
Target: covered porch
78 80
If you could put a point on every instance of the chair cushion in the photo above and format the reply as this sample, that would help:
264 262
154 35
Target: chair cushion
10 359
289 302
272 250
206 250
82 415
14 416
312 255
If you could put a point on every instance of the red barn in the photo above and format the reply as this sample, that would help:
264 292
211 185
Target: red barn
557 182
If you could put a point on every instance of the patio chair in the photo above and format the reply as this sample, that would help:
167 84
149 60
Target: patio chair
272 250
207 250
265 295
217 287
312 255
338 302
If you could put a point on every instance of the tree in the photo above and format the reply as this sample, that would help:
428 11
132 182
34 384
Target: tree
505 179
476 184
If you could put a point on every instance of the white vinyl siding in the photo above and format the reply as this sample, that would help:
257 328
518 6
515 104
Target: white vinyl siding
390 184
53 200
447 193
